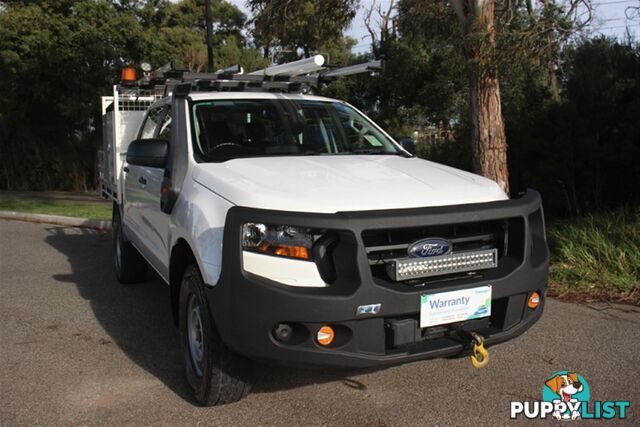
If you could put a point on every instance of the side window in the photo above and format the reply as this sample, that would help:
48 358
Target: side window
165 127
150 124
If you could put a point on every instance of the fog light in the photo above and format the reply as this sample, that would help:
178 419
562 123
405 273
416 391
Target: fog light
325 335
534 300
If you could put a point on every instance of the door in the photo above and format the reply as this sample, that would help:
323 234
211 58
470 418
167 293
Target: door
155 223
142 195
134 192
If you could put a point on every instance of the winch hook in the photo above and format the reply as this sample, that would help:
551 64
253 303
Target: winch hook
479 354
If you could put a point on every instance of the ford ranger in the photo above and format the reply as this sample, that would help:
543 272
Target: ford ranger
291 228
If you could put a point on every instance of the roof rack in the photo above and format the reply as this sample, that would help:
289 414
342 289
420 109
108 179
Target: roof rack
303 76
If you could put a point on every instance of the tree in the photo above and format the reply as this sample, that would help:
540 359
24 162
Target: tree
175 32
307 25
57 57
477 18
482 23
422 85
582 152
381 23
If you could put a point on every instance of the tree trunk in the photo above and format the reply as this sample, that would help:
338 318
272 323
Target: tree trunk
489 143
488 138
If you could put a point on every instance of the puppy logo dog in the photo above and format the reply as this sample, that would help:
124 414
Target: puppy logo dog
566 395
566 386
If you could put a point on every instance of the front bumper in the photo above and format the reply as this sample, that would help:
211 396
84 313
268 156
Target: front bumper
247 308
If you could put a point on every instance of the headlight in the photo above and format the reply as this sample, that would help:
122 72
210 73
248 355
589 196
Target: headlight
280 240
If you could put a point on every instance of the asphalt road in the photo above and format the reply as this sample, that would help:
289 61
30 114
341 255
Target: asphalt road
77 348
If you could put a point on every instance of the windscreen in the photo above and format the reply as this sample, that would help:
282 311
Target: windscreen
229 129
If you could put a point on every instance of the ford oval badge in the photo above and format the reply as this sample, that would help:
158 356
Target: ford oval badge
429 248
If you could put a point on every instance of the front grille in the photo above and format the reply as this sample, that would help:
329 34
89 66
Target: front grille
383 246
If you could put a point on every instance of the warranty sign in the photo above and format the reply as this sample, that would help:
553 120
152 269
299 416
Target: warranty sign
455 306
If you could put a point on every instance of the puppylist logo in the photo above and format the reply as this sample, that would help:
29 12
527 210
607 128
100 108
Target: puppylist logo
566 396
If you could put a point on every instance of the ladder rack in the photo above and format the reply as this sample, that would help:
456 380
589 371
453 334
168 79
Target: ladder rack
303 76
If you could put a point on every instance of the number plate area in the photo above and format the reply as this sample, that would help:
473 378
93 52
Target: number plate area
455 306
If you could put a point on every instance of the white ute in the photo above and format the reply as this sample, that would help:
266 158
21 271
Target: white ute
291 228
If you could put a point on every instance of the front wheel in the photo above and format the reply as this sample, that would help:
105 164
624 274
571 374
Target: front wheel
131 267
215 374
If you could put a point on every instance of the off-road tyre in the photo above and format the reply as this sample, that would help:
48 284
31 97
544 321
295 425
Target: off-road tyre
216 374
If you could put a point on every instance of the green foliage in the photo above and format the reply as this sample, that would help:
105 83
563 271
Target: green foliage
423 81
427 71
582 152
175 32
597 256
57 57
308 25
53 59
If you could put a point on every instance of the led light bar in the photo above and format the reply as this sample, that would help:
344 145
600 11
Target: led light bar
415 268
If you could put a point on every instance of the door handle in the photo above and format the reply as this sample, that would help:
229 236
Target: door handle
126 169
142 180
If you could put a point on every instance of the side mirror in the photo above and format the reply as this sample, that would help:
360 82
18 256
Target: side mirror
150 152
409 145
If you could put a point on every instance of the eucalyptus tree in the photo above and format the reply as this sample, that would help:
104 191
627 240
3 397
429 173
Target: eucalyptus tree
308 25
549 23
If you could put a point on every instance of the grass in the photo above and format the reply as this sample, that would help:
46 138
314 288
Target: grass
597 257
57 207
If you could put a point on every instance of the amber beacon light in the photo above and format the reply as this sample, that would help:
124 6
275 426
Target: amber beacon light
128 75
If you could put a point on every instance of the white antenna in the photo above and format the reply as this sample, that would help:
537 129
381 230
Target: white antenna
295 68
